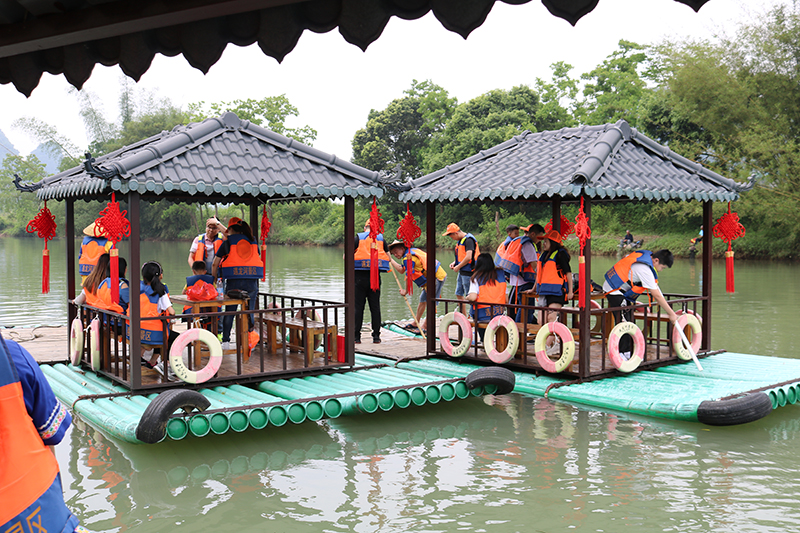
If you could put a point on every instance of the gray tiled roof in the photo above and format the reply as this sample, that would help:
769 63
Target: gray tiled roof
221 156
605 162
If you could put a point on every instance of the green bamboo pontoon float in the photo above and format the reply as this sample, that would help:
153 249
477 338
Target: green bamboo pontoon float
305 370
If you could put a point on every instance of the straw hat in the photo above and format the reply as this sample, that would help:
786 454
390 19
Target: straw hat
90 229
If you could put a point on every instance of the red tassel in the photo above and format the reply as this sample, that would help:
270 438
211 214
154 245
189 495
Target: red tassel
265 226
729 284
114 254
374 273
582 277
45 270
409 264
264 261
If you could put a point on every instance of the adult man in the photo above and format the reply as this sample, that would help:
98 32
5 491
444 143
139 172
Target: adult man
419 274
364 293
630 277
466 251
205 246
512 233
31 419
520 265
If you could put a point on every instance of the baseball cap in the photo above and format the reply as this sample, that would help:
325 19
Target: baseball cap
451 228
234 220
553 235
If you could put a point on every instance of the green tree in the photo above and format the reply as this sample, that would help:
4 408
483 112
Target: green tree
271 112
16 208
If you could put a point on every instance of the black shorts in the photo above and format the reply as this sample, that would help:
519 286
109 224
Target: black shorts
551 299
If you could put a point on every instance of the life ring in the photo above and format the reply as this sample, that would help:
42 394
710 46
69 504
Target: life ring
214 359
75 341
687 320
626 328
94 343
598 319
567 354
444 336
680 312
513 339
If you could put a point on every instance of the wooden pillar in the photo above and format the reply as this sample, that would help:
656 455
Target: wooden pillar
349 279
556 206
430 249
134 275
707 224
72 312
254 223
584 353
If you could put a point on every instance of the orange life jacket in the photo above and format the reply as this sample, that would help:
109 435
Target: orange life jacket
91 250
363 257
200 253
30 486
243 261
151 331
549 279
619 275
419 276
512 263
492 297
102 297
461 252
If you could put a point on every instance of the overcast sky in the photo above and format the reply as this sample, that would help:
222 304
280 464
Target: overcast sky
334 84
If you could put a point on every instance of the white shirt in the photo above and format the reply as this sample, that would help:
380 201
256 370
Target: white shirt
640 273
528 256
164 303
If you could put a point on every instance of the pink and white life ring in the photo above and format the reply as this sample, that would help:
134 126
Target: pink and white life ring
619 362
692 321
444 335
214 360
94 343
567 343
75 341
513 339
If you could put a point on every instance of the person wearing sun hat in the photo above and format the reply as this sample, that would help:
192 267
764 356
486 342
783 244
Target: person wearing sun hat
92 247
419 260
466 252
553 274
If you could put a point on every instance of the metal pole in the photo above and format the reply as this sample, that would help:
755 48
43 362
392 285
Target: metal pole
349 279
707 223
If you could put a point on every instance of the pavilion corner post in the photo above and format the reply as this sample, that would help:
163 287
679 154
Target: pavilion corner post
556 207
349 279
430 249
585 347
708 223
135 265
72 312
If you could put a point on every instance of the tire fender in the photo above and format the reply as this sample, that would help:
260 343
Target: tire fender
498 376
152 426
444 336
739 410
513 339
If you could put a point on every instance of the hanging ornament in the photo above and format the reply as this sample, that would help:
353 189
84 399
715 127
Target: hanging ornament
408 232
566 227
728 229
114 226
375 228
265 226
584 233
44 225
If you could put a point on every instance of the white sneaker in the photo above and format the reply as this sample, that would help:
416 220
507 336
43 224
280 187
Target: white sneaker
159 368
226 346
555 349
625 355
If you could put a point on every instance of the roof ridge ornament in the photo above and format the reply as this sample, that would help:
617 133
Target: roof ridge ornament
30 187
97 171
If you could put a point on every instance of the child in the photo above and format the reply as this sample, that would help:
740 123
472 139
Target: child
487 286
199 273
154 301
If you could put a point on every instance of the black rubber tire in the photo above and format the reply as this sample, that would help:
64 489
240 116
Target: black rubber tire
152 426
739 410
502 378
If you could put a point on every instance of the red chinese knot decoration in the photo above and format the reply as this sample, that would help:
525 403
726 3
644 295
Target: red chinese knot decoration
728 229
567 227
408 232
114 226
584 233
265 226
375 228
44 225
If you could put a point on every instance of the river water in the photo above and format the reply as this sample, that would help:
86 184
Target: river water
504 464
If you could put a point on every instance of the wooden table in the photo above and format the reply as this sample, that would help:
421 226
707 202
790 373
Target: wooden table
199 309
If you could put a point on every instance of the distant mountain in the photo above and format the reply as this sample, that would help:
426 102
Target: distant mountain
50 162
6 147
